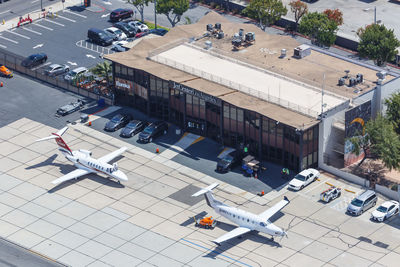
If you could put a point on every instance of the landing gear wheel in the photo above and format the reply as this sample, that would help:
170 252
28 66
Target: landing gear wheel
301 187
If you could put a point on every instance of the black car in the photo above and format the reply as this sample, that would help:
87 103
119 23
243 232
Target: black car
34 60
158 31
153 130
117 122
120 14
126 28
99 37
132 128
229 161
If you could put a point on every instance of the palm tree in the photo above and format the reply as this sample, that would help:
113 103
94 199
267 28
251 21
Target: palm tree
103 70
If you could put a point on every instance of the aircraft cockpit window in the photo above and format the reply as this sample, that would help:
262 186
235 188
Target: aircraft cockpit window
262 224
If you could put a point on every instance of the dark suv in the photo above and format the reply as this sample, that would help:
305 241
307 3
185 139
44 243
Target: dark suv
120 14
153 130
34 60
100 37
117 122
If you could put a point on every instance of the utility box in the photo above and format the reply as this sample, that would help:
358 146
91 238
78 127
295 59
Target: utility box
302 51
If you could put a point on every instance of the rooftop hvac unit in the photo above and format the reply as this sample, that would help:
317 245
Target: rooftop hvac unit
302 51
381 75
217 26
250 37
352 82
220 35
241 33
208 44
283 53
236 42
341 81
359 78
209 27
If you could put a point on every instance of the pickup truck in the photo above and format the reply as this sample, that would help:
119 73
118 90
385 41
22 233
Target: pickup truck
71 107
330 194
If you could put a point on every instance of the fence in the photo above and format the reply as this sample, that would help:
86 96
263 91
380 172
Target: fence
13 62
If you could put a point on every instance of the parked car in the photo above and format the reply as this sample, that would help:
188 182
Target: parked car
385 211
71 107
303 179
118 46
56 69
5 72
362 202
120 14
132 128
34 60
141 34
139 26
99 37
126 28
330 194
153 130
72 74
229 161
119 35
158 31
117 122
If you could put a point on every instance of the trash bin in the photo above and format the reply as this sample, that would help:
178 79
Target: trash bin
84 118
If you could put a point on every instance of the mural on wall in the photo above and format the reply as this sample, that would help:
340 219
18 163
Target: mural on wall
355 120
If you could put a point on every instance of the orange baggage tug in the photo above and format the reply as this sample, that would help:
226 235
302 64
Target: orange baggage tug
207 222
5 72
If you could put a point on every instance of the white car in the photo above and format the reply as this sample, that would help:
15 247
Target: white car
118 46
120 35
303 179
140 27
385 211
72 74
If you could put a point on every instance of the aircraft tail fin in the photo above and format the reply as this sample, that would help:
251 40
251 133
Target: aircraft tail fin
205 190
211 201
60 142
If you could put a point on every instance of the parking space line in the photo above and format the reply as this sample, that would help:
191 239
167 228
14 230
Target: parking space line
34 1
62 17
20 35
3 46
5 12
44 27
12 41
318 185
76 14
29 30
59 24
38 67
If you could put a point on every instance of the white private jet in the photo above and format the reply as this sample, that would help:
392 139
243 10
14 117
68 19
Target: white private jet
247 221
84 162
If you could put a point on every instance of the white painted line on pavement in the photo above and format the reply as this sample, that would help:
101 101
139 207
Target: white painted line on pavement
12 41
54 22
29 30
62 17
4 12
76 14
34 1
3 46
20 35
44 27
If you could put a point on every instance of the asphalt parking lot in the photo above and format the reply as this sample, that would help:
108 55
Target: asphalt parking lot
94 221
62 37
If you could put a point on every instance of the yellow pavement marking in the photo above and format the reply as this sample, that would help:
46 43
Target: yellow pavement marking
349 191
329 184
198 140
226 148
41 255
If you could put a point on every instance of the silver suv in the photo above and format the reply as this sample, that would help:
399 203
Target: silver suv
362 202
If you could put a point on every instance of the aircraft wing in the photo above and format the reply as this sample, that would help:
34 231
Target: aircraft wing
234 233
71 175
107 158
274 209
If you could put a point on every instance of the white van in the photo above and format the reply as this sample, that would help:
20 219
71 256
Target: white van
72 74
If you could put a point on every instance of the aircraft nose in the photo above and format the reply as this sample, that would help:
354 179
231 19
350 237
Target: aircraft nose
123 177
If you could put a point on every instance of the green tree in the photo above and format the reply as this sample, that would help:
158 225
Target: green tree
103 70
377 43
266 12
299 9
139 5
319 27
393 111
380 141
172 9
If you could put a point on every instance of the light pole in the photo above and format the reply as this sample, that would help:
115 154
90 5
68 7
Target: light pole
155 14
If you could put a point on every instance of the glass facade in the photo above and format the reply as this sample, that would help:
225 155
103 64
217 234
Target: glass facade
206 115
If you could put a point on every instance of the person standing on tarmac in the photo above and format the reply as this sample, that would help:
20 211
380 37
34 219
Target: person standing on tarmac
285 173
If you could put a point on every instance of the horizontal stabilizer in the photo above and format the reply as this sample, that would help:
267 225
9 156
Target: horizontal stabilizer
54 135
205 190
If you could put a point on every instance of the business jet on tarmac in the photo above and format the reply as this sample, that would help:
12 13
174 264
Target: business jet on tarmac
84 162
247 221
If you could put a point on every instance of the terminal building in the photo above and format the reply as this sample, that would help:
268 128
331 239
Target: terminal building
289 103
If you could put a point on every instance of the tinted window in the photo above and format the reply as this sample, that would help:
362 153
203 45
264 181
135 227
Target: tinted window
300 177
116 118
356 202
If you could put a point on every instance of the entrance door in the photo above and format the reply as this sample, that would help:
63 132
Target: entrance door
196 126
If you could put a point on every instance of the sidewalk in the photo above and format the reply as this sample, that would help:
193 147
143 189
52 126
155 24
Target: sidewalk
38 14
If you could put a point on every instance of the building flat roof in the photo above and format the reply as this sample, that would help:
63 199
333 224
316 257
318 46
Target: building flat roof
263 54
